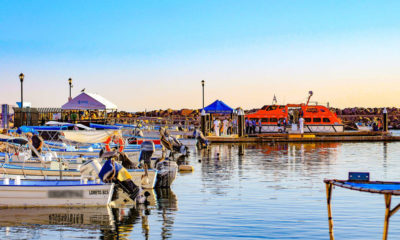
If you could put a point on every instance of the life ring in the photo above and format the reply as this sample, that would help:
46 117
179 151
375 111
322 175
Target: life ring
120 142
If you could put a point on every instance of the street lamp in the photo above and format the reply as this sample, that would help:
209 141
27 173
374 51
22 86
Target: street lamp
70 86
21 78
202 84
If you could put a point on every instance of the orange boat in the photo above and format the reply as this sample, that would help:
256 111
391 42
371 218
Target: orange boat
317 118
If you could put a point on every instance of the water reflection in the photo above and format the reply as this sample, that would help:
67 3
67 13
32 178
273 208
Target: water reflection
112 223
247 191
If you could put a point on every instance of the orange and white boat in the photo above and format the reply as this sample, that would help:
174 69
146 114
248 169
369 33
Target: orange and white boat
317 118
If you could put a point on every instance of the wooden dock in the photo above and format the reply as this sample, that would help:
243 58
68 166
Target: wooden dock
309 137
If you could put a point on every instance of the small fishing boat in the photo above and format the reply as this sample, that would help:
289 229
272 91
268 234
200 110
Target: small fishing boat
7 170
363 127
46 193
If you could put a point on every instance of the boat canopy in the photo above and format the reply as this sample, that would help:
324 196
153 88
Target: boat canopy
55 123
99 136
218 107
89 101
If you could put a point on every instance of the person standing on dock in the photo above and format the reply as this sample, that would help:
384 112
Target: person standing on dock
216 127
247 122
259 125
234 126
301 125
225 126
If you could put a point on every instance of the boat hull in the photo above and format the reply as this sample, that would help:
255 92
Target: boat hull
32 173
307 129
80 195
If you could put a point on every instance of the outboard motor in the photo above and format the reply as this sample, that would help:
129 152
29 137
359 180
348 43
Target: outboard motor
137 132
147 149
166 173
202 142
172 143
114 172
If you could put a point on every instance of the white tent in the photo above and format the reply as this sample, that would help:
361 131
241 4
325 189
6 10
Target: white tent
87 101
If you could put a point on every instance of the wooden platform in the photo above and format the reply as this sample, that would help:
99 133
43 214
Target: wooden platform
310 137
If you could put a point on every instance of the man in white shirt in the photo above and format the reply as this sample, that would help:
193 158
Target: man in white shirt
225 123
301 125
216 127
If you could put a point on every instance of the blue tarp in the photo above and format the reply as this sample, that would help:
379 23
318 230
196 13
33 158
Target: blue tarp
100 126
34 129
218 107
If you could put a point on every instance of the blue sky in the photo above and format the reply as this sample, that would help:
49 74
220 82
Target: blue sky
153 54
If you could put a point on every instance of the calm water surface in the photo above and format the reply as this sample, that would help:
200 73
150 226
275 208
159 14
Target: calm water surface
271 192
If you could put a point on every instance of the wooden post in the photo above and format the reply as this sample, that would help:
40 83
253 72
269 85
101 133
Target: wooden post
388 200
328 200
385 120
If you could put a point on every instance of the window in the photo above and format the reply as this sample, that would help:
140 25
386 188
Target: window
256 119
273 120
307 120
313 110
326 120
265 120
322 110
317 120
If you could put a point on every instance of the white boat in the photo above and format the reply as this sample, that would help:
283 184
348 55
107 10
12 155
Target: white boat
363 127
8 170
40 193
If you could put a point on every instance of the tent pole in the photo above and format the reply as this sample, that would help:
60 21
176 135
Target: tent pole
388 200
328 200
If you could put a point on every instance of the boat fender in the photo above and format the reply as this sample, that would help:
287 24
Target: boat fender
186 168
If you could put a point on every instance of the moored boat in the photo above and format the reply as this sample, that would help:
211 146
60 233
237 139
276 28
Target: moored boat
285 118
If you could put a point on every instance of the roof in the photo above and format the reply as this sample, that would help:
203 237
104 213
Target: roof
86 101
218 107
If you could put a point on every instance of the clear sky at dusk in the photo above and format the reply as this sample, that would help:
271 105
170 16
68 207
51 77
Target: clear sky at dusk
154 54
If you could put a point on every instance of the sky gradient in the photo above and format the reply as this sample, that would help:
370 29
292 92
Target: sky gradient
153 54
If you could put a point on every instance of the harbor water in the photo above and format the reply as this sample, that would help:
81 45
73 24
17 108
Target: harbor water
272 191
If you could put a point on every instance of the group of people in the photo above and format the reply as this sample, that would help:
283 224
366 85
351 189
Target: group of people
225 127
251 125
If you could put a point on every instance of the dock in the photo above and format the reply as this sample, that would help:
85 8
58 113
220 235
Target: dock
308 137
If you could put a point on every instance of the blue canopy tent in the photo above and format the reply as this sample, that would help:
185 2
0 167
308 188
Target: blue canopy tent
218 107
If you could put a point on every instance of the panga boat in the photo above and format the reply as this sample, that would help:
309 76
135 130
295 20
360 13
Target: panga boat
317 118
45 193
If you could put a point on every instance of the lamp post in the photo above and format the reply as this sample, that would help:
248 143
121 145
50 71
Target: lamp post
202 84
21 78
70 86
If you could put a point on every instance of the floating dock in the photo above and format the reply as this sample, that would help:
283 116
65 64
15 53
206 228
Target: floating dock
309 137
